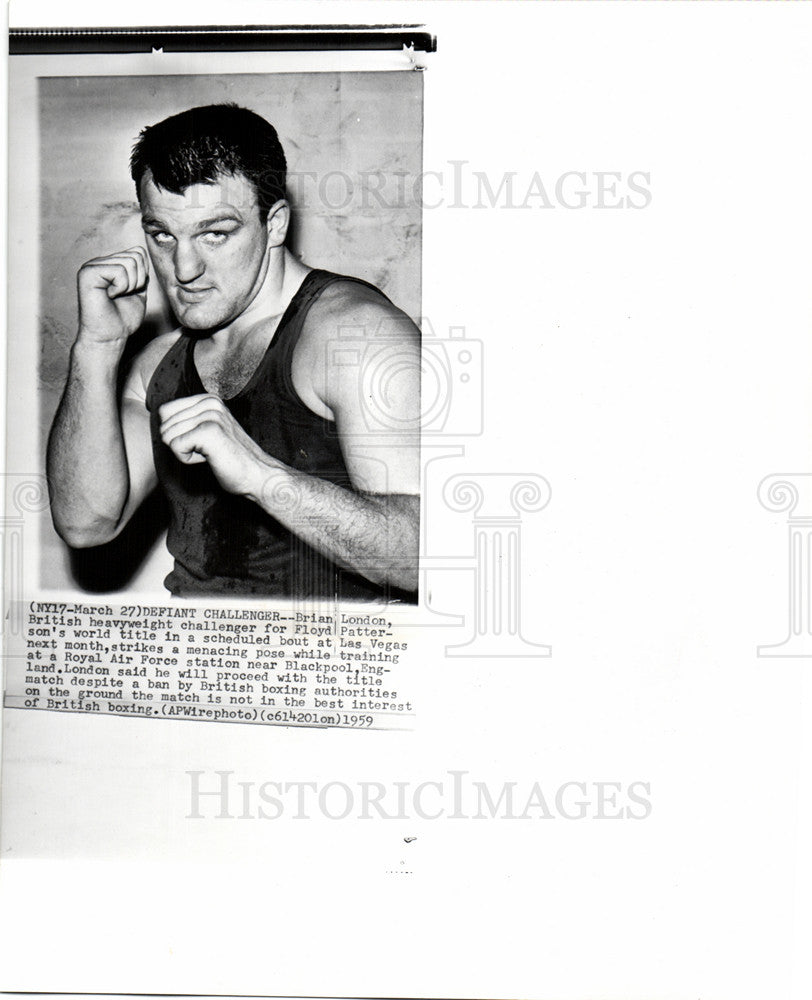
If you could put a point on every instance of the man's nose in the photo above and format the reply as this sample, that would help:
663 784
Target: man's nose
188 262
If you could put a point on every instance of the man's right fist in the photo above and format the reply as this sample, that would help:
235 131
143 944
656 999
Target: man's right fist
113 295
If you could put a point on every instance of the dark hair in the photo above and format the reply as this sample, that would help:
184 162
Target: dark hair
193 147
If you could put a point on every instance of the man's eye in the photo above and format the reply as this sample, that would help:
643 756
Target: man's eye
215 238
162 239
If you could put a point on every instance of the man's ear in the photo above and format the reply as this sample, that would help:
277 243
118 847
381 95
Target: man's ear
277 223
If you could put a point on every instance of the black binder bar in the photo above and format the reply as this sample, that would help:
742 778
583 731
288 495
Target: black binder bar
208 38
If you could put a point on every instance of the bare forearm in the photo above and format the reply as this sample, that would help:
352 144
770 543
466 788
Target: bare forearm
373 534
87 465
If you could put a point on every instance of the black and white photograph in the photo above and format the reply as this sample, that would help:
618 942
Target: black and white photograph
407 500
280 326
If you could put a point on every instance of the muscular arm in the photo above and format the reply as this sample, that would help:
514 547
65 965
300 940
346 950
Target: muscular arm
98 462
88 469
373 534
373 528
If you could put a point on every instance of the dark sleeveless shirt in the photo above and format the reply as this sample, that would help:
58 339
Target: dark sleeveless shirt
226 544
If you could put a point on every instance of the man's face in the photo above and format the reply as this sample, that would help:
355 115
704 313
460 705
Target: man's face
208 247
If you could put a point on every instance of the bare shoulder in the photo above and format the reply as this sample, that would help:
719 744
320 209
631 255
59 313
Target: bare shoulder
351 309
145 363
349 327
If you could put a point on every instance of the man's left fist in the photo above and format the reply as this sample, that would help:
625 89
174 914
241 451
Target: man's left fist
201 429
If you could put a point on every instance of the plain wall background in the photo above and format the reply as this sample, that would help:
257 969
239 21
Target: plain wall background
353 143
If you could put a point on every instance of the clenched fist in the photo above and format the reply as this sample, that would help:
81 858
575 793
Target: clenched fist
201 429
113 296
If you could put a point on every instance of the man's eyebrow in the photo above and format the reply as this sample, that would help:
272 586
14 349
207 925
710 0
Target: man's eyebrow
215 219
225 216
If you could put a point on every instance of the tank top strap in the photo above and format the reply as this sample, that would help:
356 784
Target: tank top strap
171 372
280 351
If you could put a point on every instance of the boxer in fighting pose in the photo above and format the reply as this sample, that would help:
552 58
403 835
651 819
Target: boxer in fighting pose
259 424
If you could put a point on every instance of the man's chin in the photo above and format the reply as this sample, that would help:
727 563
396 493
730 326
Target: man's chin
196 325
198 318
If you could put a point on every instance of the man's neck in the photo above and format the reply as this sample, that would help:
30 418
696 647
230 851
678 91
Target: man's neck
281 281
